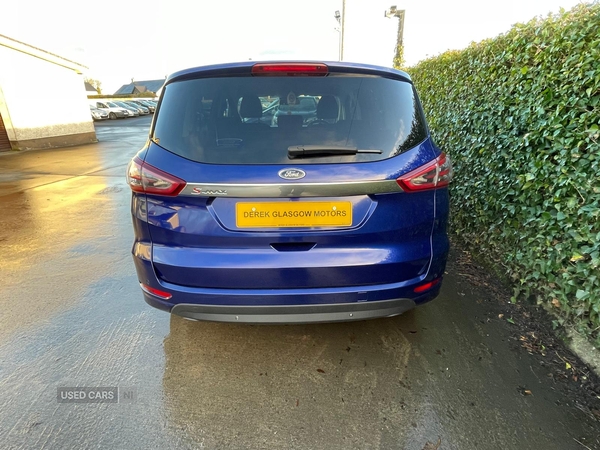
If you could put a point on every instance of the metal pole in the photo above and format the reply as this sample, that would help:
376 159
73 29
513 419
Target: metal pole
343 29
400 16
338 17
340 44
394 12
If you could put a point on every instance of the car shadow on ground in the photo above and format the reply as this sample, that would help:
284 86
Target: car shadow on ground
234 384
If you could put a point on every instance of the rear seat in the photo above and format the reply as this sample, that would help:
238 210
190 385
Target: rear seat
291 123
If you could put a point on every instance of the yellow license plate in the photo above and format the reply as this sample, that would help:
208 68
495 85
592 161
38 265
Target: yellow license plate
293 214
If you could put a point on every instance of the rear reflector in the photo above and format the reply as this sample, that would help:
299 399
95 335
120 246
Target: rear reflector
427 286
290 69
143 177
155 292
434 174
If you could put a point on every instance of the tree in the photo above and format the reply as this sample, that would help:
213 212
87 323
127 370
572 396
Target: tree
399 57
95 83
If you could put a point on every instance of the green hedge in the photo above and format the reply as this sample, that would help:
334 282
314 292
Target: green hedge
520 117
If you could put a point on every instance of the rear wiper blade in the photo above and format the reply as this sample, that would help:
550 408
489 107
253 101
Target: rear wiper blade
306 151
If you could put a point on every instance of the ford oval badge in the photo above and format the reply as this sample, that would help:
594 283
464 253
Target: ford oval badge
291 174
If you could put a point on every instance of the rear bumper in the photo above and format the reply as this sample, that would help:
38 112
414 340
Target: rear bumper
314 313
334 304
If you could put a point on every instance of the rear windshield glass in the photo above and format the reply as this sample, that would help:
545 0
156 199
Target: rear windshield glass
259 120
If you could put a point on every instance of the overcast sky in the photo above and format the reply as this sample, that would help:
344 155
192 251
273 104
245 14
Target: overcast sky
149 39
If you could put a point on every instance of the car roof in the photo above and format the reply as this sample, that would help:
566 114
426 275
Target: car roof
244 68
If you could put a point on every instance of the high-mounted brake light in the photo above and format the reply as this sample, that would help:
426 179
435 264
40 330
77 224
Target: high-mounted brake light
290 69
434 174
143 177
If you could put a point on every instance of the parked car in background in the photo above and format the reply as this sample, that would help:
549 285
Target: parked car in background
143 110
148 105
152 102
304 106
134 111
336 219
98 114
114 111
113 104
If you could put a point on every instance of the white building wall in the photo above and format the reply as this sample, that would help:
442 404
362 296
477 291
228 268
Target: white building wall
43 104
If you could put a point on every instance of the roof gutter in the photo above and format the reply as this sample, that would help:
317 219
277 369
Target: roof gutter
19 46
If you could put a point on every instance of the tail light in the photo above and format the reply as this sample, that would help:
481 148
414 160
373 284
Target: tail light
434 174
427 286
143 177
290 69
155 292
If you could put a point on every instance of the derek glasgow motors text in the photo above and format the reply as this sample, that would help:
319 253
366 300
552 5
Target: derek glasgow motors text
278 214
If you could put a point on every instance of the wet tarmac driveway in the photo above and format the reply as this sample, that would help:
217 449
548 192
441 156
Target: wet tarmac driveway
72 315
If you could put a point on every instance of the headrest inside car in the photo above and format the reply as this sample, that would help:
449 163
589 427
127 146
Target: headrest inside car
327 109
251 108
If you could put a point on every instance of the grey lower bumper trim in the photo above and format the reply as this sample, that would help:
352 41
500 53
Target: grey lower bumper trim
280 314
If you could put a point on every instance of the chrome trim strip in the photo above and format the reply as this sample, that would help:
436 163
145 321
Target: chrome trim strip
282 314
284 190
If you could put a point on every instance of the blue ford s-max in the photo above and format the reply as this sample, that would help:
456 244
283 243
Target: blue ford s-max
330 214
